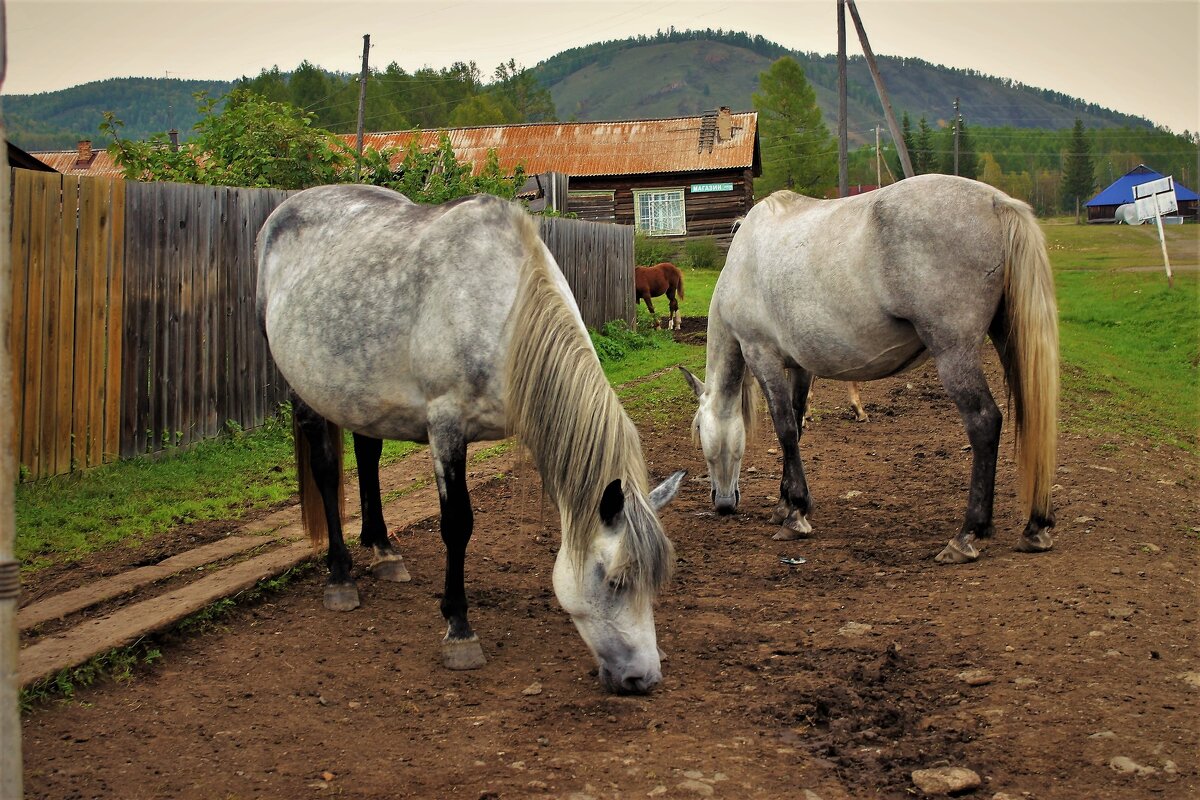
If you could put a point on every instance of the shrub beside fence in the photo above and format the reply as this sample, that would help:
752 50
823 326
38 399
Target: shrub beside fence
134 324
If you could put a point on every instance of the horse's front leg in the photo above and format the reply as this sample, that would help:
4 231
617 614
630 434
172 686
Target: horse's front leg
963 378
650 308
386 562
787 396
460 647
860 413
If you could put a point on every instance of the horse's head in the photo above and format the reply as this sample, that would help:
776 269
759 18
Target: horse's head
719 427
609 587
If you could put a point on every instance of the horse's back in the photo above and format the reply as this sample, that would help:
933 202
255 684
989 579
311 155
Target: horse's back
842 287
375 306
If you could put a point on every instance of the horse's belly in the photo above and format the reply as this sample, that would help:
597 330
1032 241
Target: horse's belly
865 354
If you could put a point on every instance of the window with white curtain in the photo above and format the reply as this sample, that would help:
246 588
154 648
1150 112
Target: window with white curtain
659 212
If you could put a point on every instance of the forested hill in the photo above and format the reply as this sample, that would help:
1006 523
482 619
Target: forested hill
668 74
686 72
57 120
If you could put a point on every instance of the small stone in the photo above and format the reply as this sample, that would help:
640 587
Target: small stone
1025 683
854 629
945 780
1115 571
1120 612
517 765
751 469
694 774
1082 520
1003 796
809 794
543 741
697 787
1129 767
540 786
656 791
327 776
772 451
532 689
354 704
1191 679
850 495
975 677
1148 547
1103 735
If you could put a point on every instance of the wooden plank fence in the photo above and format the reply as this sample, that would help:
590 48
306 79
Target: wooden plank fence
597 260
134 327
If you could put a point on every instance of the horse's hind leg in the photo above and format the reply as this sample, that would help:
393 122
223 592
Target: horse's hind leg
460 647
673 322
340 592
860 414
787 396
386 561
963 378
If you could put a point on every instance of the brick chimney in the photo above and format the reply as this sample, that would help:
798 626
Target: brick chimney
724 124
84 153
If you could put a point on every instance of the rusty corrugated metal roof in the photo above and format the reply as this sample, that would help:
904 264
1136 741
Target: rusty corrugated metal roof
68 162
624 147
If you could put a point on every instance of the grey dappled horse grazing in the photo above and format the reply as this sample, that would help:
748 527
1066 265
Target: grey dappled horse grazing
451 324
864 287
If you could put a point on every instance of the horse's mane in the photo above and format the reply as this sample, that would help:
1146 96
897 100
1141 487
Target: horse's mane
561 405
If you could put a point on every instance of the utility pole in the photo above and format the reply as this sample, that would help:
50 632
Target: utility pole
362 105
876 76
956 118
843 136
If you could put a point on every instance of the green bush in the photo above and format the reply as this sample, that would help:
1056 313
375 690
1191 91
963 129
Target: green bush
616 340
648 250
701 254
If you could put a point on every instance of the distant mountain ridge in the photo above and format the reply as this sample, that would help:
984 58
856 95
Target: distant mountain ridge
672 73
686 72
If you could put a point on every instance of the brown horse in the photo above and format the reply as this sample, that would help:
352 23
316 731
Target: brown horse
664 278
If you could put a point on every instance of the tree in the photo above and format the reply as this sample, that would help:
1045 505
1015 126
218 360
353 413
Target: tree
530 100
252 142
798 152
1079 171
923 160
437 176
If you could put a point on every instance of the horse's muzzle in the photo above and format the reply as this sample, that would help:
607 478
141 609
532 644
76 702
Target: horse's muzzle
629 683
726 503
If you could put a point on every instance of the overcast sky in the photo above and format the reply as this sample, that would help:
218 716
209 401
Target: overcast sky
1139 57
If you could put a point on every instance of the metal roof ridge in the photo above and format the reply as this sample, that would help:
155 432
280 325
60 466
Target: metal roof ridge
541 124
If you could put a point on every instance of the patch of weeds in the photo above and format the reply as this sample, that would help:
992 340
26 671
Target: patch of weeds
616 341
498 449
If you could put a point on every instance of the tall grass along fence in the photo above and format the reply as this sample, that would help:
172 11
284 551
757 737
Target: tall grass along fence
133 313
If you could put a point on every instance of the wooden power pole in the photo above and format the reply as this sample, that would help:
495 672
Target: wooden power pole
362 104
843 136
901 149
956 119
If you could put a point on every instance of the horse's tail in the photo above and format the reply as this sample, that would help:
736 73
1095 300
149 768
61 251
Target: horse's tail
312 509
1029 351
679 289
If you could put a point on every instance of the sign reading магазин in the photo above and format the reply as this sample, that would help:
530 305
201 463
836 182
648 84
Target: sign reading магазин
697 188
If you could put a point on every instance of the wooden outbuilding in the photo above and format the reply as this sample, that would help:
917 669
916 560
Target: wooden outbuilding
680 177
1103 207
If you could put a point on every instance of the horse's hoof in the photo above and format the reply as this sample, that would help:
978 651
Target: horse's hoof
780 513
1038 543
341 597
462 653
391 569
861 416
955 553
796 526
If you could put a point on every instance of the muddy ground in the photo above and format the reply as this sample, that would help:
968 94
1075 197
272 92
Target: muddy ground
1070 674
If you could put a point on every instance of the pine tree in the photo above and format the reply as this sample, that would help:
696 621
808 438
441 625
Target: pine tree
1079 170
923 160
798 152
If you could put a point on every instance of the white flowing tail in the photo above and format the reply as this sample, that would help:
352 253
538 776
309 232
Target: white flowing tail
1030 353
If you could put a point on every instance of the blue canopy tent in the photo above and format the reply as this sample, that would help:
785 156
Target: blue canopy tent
1103 207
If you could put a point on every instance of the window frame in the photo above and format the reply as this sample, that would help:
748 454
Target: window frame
639 194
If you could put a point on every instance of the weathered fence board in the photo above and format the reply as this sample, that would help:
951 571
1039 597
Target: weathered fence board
134 325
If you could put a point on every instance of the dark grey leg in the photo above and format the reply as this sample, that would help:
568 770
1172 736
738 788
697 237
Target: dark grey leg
386 562
781 387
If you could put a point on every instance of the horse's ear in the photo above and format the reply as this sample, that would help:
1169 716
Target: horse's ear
612 502
696 384
665 491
